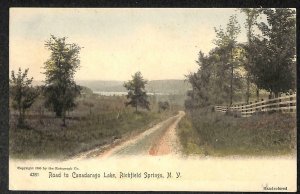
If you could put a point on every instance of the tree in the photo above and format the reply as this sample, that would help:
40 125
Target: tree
200 81
218 75
274 61
211 83
136 92
163 105
23 93
251 19
61 89
227 41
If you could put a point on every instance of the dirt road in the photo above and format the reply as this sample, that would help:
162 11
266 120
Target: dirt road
158 140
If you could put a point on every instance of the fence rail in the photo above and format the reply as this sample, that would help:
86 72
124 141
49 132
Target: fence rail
286 104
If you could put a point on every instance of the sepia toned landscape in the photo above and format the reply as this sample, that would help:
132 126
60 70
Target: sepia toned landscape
152 82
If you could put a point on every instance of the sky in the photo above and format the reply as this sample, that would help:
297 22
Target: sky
162 43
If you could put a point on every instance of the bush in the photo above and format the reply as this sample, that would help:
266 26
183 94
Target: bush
163 105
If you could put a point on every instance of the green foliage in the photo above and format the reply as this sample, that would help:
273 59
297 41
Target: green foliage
227 39
212 82
274 52
60 89
163 105
217 78
251 19
22 92
136 92
200 82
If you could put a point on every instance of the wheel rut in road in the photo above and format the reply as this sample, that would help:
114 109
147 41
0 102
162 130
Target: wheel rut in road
158 140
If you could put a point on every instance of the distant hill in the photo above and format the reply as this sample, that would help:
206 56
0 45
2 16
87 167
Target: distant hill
155 86
168 86
37 83
103 86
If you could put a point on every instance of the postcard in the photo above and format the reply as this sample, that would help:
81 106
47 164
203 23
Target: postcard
152 99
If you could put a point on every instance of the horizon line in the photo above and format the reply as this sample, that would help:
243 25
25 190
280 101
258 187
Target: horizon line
115 80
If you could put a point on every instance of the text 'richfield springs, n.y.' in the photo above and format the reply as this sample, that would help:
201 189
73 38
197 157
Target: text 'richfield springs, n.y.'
120 175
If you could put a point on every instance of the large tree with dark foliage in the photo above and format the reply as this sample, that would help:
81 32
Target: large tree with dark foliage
23 93
226 40
251 20
274 52
137 94
60 89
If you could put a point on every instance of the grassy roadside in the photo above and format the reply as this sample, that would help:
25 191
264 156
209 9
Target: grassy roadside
82 135
215 134
87 127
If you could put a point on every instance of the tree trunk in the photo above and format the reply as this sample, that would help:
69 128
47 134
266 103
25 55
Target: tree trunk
21 120
58 113
231 83
64 118
64 121
231 80
257 93
271 95
20 117
248 89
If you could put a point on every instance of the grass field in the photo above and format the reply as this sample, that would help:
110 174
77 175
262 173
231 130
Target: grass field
98 120
216 134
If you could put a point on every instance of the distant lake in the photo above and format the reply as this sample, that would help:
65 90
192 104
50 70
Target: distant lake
103 93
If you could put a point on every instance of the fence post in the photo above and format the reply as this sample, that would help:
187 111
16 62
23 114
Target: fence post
269 106
241 109
279 105
256 109
291 104
251 108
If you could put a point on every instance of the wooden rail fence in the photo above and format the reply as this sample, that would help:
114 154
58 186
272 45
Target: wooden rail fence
285 104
